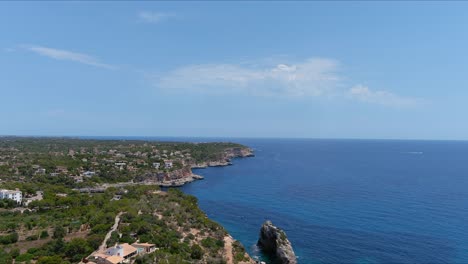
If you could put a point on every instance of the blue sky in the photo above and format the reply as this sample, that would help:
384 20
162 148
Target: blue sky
235 69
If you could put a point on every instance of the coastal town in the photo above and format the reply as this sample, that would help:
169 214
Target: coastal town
65 200
88 163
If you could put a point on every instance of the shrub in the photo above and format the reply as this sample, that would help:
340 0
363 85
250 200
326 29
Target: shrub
44 234
32 238
59 232
50 260
24 257
196 252
77 249
9 239
212 243
14 252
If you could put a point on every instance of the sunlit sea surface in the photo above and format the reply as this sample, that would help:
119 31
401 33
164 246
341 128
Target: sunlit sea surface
346 201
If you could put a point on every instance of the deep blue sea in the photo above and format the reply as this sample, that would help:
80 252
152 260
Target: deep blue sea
346 201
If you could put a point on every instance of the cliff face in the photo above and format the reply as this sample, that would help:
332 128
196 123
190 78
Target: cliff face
274 242
185 172
178 174
224 159
238 153
184 175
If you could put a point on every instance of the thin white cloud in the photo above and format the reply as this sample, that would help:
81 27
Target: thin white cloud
68 56
154 17
312 77
381 97
309 78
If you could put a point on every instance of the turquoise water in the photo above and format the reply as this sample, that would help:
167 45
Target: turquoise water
347 201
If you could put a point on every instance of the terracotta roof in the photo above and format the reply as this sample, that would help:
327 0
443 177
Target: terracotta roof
100 255
127 249
115 259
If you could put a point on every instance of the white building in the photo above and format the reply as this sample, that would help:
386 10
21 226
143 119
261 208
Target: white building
89 174
15 195
168 164
121 165
77 179
156 165
40 171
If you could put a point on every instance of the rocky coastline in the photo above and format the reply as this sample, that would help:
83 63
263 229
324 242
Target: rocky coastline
274 243
185 175
226 158
178 177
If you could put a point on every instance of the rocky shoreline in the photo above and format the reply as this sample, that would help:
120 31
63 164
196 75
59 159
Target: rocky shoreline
225 160
180 177
180 182
185 175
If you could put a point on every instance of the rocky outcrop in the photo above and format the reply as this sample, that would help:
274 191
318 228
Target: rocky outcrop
238 153
224 159
179 174
179 177
274 243
165 176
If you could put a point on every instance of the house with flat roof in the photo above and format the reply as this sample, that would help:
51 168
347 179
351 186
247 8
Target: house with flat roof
61 169
168 164
40 171
89 174
15 195
144 248
77 179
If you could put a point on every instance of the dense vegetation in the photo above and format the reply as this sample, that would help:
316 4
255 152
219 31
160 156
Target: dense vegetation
65 225
72 227
23 158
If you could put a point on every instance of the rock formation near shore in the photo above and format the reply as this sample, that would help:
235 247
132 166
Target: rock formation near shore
238 153
179 177
274 242
224 159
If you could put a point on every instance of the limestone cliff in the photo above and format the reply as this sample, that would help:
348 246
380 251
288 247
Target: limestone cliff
224 158
238 153
274 242
178 177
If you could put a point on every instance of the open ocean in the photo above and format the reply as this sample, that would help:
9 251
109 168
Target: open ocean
346 201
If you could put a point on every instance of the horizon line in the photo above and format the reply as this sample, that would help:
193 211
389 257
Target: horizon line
142 138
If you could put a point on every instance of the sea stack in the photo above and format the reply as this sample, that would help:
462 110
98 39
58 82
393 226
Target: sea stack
274 242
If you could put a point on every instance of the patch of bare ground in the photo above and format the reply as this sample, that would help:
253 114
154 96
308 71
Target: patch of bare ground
159 192
79 234
158 215
194 231
25 245
228 250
